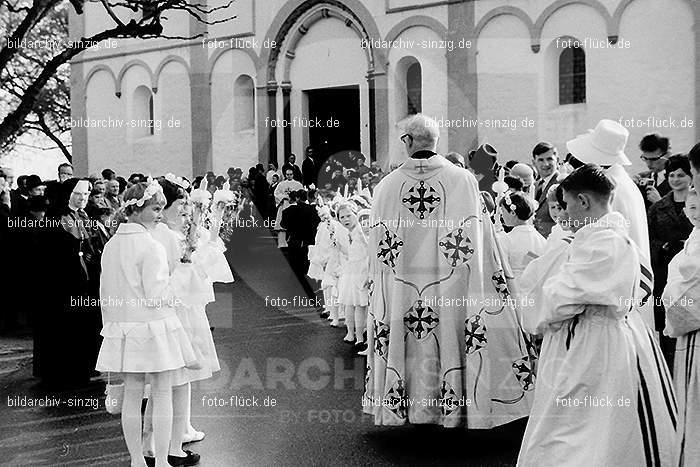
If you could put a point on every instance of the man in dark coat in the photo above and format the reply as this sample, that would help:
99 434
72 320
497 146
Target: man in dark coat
261 191
546 161
301 221
308 168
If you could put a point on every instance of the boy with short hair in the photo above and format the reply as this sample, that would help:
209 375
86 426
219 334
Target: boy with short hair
599 397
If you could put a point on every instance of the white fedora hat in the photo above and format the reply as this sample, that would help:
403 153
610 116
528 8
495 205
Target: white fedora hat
605 145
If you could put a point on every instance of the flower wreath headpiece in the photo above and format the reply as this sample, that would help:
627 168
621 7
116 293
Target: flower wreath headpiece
508 202
179 181
152 189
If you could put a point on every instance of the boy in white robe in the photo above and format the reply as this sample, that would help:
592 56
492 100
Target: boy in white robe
598 400
682 300
605 146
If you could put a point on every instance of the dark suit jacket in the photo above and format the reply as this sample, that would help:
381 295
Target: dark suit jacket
20 206
300 221
543 221
308 170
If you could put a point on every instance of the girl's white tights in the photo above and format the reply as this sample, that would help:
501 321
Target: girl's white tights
162 401
181 413
355 322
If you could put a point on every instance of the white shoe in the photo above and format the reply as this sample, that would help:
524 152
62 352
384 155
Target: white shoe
335 323
364 352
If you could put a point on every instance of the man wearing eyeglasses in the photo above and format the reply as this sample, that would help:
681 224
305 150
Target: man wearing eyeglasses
652 182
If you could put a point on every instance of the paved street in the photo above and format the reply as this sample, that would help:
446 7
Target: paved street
288 394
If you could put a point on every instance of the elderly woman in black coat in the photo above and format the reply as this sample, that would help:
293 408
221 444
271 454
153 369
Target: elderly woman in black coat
67 325
668 230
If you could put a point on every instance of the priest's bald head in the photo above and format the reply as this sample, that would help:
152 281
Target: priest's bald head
421 133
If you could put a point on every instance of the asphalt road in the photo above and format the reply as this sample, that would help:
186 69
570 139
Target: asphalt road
288 394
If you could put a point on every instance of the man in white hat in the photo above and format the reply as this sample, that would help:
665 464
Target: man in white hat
605 146
444 343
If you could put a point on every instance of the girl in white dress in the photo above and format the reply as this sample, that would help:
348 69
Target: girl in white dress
202 267
143 335
338 235
353 293
524 243
682 298
320 263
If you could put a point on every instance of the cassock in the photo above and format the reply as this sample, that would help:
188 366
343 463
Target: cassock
603 394
444 343
682 299
67 327
628 201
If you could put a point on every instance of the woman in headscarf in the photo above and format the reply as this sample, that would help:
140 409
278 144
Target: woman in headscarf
68 324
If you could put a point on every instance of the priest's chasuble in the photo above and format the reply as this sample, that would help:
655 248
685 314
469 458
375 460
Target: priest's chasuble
445 346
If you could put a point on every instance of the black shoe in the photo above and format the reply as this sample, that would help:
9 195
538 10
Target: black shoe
360 347
191 458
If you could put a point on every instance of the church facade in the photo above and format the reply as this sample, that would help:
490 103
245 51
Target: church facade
340 75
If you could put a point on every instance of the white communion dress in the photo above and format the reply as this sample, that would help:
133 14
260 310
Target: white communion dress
141 330
351 284
208 265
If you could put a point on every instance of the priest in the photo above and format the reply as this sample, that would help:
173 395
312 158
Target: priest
445 346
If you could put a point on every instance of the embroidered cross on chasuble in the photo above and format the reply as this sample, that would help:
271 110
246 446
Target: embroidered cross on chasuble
445 345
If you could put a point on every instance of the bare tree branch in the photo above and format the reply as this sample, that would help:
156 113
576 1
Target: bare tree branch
47 131
36 81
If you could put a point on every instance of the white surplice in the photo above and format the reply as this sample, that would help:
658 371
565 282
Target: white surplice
682 300
445 346
603 394
628 201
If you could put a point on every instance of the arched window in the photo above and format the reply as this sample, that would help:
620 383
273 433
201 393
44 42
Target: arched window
244 104
414 93
572 76
142 113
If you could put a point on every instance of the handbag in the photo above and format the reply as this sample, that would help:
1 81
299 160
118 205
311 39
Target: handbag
114 396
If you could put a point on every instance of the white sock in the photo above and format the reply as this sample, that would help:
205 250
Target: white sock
360 324
162 397
131 416
349 321
181 402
